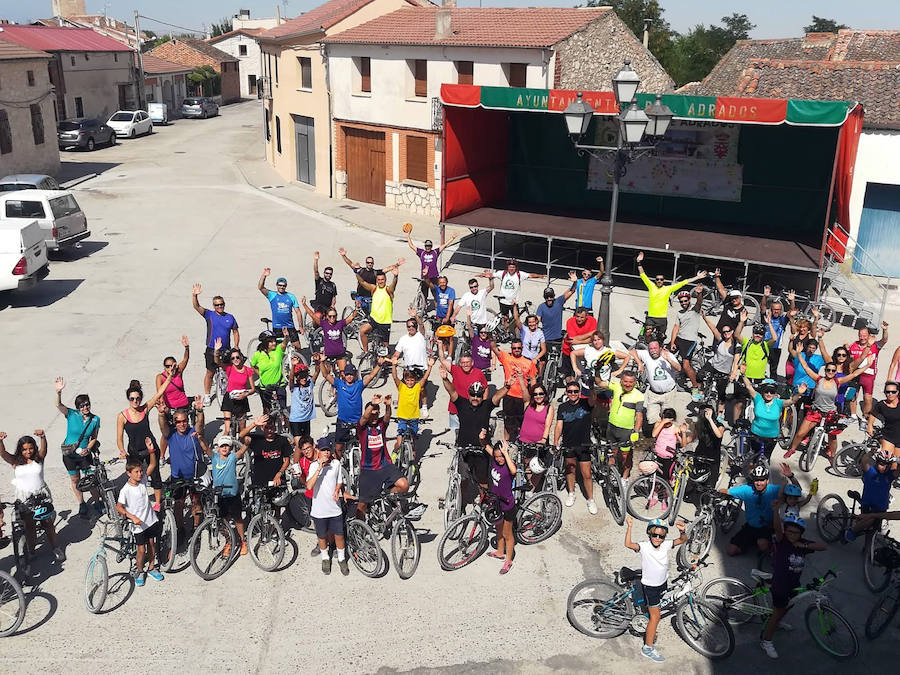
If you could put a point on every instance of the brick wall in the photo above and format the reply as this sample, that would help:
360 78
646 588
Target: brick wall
179 52
231 82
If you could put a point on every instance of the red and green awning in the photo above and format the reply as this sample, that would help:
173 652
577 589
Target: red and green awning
719 108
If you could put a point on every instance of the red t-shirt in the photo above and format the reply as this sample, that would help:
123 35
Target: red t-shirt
511 363
573 329
305 463
856 350
462 381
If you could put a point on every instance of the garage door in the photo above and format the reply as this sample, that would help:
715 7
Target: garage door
879 231
365 165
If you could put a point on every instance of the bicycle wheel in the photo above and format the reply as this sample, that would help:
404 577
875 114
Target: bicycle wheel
703 628
877 576
831 631
327 397
419 302
452 501
808 457
649 497
220 382
728 515
846 462
363 546
12 605
788 427
599 609
549 377
700 536
734 599
538 519
462 542
405 548
883 613
752 305
167 546
212 548
265 539
613 488
832 518
677 499
96 583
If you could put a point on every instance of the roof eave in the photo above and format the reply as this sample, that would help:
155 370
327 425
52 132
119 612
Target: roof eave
291 36
434 44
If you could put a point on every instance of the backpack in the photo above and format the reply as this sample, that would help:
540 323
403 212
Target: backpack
765 348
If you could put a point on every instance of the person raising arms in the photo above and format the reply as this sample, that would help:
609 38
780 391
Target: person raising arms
220 325
658 300
382 312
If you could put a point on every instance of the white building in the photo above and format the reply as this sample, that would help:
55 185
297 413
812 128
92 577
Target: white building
241 44
165 82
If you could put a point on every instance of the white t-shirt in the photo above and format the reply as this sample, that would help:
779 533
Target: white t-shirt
655 563
413 350
660 373
135 500
531 342
509 286
478 305
591 354
323 503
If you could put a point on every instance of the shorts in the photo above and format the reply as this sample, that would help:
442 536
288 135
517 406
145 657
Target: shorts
747 536
774 360
75 462
230 507
265 395
622 436
330 525
685 347
381 329
867 384
210 356
344 431
665 465
373 482
507 516
653 594
781 597
299 428
292 332
813 416
237 407
655 403
411 425
505 309
513 413
152 532
580 453
479 466
454 421
866 508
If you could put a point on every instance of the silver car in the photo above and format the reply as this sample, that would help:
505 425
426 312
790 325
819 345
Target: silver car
28 181
199 106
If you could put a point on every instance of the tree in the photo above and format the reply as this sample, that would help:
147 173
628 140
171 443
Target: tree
206 80
220 28
695 53
821 25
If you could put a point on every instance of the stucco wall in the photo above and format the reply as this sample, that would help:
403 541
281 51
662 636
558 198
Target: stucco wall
96 81
26 157
876 162
155 88
249 64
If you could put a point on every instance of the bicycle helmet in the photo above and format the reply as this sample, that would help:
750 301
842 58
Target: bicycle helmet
43 510
604 359
768 385
476 389
684 295
758 472
792 490
265 335
882 456
549 292
657 522
87 482
445 331
796 521
491 325
536 466
759 329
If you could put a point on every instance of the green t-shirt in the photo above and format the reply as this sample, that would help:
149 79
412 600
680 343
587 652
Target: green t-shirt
269 365
624 406
658 302
756 356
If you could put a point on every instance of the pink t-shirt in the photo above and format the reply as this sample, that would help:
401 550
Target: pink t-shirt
532 430
174 395
666 442
238 380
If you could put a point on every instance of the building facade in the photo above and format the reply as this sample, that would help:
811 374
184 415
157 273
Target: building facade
194 53
242 45
165 82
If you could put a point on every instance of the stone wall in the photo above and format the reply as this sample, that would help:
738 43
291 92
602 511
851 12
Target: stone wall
415 198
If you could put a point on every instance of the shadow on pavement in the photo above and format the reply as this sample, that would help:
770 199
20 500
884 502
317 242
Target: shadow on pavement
52 605
81 250
44 294
121 586
74 170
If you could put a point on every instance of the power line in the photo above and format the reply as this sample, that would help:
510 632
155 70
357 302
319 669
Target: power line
164 23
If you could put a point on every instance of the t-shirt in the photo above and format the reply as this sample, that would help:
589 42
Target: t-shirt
723 356
524 366
238 380
666 442
429 262
305 463
815 362
224 473
413 350
756 356
349 399
368 276
778 323
269 365
501 485
324 505
584 292
462 381
136 502
184 453
658 302
551 319
373 446
326 291
531 342
75 425
654 562
282 304
576 419
442 300
574 330
478 304
882 411
592 355
509 286
766 416
219 327
689 324
877 489
788 562
268 457
731 316
624 406
472 420
333 337
856 351
757 506
481 352
303 406
660 373
408 401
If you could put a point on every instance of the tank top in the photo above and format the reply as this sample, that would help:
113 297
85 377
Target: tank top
136 432
382 306
532 429
824 400
238 380
29 479
666 442
174 395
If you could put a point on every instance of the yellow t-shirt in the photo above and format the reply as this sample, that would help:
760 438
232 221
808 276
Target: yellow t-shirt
382 306
408 401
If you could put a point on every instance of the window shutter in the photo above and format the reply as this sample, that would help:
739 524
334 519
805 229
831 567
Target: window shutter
464 72
365 72
37 123
421 71
305 72
516 74
417 158
5 134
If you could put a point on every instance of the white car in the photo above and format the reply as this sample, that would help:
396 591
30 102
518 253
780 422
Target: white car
23 255
130 123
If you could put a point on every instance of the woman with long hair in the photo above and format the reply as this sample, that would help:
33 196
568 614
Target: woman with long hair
236 402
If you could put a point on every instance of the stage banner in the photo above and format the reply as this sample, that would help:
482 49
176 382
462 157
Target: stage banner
696 159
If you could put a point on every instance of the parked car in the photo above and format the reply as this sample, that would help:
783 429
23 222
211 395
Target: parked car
159 113
23 255
199 106
56 211
28 181
130 123
86 133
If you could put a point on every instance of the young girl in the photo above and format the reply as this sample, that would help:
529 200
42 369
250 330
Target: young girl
236 402
224 474
536 423
654 573
502 471
134 423
669 438
134 505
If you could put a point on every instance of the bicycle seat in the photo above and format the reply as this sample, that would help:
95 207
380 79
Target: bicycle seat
854 495
759 575
743 423
265 319
627 574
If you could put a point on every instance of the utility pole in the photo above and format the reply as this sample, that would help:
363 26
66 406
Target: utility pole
140 63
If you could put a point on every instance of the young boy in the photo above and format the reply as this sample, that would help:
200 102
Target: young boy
326 482
409 392
654 573
224 473
134 504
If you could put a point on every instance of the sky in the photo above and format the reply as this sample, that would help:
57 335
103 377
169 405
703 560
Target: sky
774 18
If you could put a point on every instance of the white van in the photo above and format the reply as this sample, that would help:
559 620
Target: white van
56 211
23 255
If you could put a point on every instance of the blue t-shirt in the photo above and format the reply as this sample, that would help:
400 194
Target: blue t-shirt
815 362
877 489
303 407
442 300
184 453
584 292
766 418
75 424
778 323
282 304
757 506
224 472
219 326
349 399
551 319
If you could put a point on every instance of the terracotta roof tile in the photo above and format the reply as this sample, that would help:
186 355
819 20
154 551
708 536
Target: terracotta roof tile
11 51
58 39
320 18
191 52
155 65
249 32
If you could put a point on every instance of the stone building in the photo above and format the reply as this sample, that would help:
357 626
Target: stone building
194 53
242 45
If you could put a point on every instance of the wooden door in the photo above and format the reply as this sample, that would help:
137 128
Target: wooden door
365 165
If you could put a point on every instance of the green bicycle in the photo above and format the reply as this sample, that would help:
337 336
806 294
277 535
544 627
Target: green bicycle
740 604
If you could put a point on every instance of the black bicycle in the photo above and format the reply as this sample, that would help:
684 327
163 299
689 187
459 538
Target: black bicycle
391 516
214 544
12 598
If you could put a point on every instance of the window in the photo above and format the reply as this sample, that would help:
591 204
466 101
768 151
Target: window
305 72
37 123
242 50
17 208
30 75
64 206
5 134
464 72
516 72
417 158
364 66
268 126
278 133
419 69
86 57
79 107
73 60
116 57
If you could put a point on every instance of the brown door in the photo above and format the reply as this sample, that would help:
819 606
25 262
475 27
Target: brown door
365 165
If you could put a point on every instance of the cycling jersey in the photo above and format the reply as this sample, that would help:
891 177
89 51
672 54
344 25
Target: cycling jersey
428 260
374 454
856 351
757 505
584 292
269 365
766 416
382 306
442 300
624 406
756 356
658 302
551 319
219 326
877 489
282 304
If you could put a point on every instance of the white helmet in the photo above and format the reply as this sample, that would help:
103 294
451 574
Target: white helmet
491 325
536 466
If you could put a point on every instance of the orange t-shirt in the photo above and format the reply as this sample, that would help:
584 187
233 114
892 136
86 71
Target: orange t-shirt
511 363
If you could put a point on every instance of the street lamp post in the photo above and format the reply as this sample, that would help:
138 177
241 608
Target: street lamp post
634 125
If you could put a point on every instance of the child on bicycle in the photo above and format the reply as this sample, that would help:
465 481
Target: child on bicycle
224 474
409 391
879 473
788 560
134 504
654 573
669 437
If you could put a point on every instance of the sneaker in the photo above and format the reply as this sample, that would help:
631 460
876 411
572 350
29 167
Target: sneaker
83 511
140 579
326 565
664 505
316 551
570 499
423 413
207 400
652 654
243 548
768 648
849 535
345 568
592 507
653 501
156 574
59 555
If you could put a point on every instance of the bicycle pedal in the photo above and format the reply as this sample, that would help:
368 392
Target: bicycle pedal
440 502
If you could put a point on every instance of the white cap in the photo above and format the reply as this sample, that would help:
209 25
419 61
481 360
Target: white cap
222 439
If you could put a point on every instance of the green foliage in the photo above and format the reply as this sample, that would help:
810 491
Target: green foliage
822 25
220 28
695 53
633 12
206 81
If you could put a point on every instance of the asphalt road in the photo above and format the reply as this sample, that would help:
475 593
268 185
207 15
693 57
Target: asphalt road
173 209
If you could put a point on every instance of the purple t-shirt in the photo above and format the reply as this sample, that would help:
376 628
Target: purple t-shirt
332 341
219 326
429 261
501 485
481 353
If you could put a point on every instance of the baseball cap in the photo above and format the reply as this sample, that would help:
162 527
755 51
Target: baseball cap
735 294
222 439
350 369
323 443
281 280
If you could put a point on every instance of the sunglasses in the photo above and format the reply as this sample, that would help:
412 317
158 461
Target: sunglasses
218 304
85 405
135 398
281 285
370 262
656 535
237 358
572 391
539 393
181 421
888 392
168 365
831 370
331 316
727 331
659 279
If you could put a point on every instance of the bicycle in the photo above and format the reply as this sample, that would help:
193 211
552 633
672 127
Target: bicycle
214 544
95 477
405 460
652 495
452 501
600 609
551 375
831 424
886 606
368 360
350 461
463 343
507 333
171 553
700 534
96 577
273 408
358 321
609 480
713 304
847 462
740 603
739 450
539 516
12 597
390 516
265 536
466 538
362 545
326 392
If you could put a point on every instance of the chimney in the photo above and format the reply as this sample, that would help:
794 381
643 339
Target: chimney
647 23
448 3
277 15
442 29
244 14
